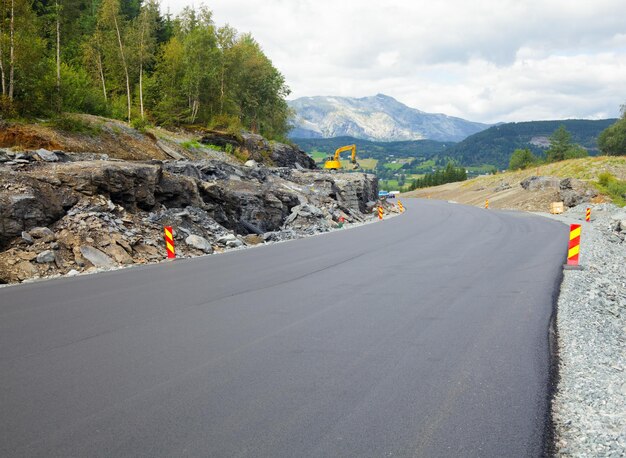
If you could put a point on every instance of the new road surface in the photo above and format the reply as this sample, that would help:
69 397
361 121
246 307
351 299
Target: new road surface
421 335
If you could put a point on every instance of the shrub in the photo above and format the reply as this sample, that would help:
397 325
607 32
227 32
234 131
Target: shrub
73 124
614 188
139 124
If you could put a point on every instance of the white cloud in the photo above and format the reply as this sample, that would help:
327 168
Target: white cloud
497 60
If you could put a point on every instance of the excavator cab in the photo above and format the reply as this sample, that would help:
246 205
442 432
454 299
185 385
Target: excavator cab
333 163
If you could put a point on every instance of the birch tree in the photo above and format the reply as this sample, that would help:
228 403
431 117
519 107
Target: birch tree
110 17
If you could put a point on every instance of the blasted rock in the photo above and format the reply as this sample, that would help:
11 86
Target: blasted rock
129 184
35 203
199 243
96 257
535 183
42 233
46 257
46 156
119 254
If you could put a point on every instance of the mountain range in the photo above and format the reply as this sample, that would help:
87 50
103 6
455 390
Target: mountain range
495 145
376 118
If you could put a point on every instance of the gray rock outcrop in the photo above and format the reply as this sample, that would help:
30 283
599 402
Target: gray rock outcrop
536 183
573 192
106 213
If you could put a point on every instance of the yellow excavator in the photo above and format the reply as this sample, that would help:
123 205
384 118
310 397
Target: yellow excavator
333 163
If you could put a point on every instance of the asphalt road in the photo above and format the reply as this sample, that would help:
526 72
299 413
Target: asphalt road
422 335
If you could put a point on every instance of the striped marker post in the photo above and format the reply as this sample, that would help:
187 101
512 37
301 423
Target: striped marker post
169 242
400 206
573 248
380 213
588 215
487 203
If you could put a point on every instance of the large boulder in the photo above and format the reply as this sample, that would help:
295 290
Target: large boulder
573 192
199 243
535 183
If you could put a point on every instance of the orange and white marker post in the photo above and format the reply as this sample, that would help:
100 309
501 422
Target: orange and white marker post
169 242
573 250
588 215
400 206
380 213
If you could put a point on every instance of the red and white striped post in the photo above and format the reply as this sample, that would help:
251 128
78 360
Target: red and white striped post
169 242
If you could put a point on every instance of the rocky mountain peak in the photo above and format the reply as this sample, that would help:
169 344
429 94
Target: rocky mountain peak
378 118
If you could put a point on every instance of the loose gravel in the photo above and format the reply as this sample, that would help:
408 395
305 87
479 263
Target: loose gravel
589 406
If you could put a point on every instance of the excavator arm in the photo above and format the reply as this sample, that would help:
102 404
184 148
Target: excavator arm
334 163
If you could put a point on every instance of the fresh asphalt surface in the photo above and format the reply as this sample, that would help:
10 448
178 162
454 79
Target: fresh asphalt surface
422 335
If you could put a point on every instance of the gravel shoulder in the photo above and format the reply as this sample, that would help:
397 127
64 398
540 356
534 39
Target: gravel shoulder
589 404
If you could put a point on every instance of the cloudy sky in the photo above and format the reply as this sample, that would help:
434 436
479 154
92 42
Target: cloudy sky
482 60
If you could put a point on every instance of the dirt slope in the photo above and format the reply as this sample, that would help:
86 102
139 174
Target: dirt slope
505 192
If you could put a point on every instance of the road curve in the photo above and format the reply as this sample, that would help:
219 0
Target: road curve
422 335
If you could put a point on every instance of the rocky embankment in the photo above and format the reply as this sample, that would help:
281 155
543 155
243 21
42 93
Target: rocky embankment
63 213
589 406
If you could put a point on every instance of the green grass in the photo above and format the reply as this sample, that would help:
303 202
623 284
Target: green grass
392 185
74 125
366 164
612 187
392 166
194 144
318 156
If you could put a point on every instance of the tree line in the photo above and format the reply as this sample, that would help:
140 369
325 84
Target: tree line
449 174
127 60
611 141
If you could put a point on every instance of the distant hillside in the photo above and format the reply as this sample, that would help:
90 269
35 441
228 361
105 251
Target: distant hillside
495 145
377 118
419 149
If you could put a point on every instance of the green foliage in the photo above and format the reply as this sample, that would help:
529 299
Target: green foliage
561 146
522 159
576 152
171 70
612 141
194 144
614 188
228 123
448 175
73 124
420 150
604 178
78 93
494 145
140 124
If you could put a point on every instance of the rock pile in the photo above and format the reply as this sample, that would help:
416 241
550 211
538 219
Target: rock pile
70 215
589 408
570 191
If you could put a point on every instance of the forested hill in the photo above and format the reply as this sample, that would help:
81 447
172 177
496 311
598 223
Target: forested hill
419 149
127 60
495 145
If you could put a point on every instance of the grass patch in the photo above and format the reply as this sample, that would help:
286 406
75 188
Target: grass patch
73 125
319 157
612 187
194 144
